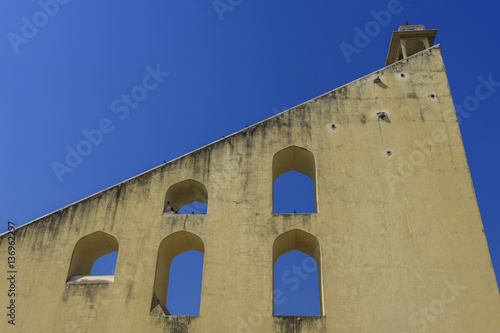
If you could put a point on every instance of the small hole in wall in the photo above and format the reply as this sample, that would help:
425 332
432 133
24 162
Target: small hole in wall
333 127
402 76
433 96
388 153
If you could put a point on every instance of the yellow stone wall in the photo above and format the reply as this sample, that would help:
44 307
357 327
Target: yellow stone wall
402 243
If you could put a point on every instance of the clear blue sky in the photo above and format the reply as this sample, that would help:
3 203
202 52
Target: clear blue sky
227 68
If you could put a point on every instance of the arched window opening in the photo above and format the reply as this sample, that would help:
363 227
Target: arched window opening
105 265
184 285
296 285
186 197
294 193
85 254
297 280
414 46
291 192
194 208
166 272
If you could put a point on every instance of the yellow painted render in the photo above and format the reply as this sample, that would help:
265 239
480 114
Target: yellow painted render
395 232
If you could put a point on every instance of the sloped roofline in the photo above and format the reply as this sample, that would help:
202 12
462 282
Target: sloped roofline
437 46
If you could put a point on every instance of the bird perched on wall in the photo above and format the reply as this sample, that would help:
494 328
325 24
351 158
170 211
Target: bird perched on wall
192 212
295 212
406 22
168 208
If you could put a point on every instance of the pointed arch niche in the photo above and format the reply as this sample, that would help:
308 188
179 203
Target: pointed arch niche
298 240
186 197
87 250
297 159
172 246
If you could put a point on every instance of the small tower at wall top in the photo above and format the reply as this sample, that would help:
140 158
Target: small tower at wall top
408 40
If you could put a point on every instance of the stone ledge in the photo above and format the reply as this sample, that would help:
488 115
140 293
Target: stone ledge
90 279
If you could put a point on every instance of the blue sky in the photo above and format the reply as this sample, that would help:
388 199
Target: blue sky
211 72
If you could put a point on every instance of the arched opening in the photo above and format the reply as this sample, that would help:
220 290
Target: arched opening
87 251
186 197
167 264
294 193
184 286
105 265
194 208
414 46
297 280
294 181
